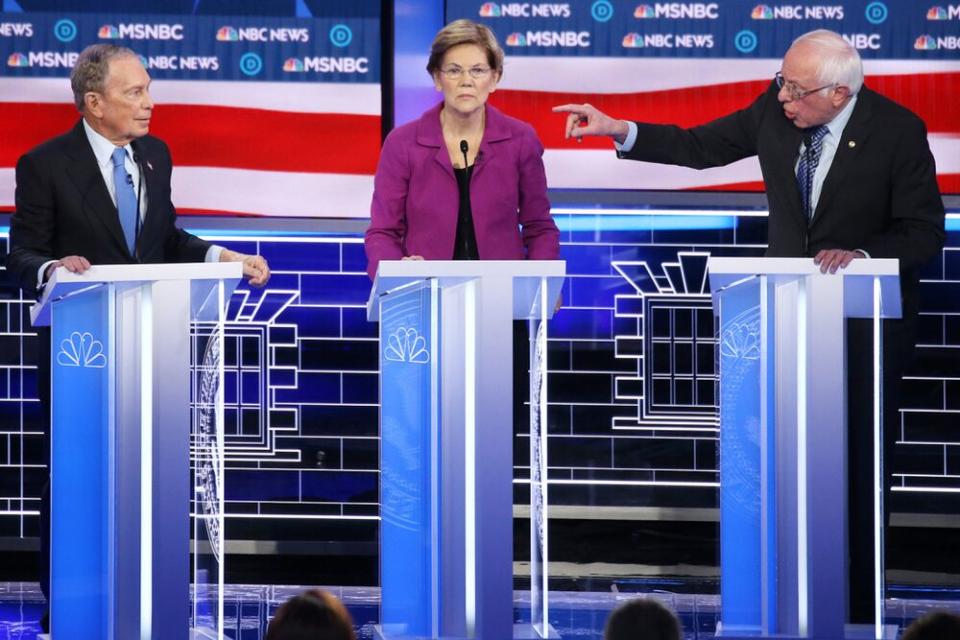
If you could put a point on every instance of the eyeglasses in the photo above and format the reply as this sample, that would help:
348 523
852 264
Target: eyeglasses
795 92
454 72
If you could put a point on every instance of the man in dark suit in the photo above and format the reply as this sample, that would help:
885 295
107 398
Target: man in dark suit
100 194
848 174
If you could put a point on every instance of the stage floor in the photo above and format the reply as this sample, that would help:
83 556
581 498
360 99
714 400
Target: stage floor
579 615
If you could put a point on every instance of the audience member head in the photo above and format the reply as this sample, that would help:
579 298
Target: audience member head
642 619
938 625
312 615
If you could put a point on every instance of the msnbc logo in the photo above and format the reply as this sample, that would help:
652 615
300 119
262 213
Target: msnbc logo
108 32
18 60
642 11
951 12
925 43
516 40
293 65
489 10
633 41
762 12
227 34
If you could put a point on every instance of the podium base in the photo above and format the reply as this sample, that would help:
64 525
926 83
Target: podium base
524 631
850 632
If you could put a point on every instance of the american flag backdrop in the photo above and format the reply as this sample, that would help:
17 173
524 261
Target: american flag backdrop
637 61
265 115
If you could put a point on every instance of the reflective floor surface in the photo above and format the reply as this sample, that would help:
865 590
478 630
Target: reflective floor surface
579 615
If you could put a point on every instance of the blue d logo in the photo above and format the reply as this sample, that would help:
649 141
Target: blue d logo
745 41
341 35
601 11
65 30
250 64
876 12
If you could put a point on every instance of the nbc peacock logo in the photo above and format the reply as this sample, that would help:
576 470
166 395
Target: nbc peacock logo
108 32
925 43
633 41
762 12
293 65
516 40
937 13
18 60
489 10
643 11
227 34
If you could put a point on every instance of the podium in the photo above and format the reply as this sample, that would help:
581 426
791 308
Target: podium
446 459
783 442
121 482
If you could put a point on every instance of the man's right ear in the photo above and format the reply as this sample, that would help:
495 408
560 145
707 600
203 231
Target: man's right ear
91 103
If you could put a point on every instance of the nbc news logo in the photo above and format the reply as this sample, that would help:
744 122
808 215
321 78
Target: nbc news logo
227 34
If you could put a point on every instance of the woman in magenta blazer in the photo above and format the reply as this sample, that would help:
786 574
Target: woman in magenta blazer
464 181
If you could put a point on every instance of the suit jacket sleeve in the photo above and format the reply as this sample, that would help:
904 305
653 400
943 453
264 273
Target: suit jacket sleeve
541 238
714 144
388 220
32 225
179 245
916 230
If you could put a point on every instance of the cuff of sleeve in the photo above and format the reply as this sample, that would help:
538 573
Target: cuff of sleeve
42 270
629 141
213 253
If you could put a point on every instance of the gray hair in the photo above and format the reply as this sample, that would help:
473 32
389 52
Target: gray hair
840 62
90 71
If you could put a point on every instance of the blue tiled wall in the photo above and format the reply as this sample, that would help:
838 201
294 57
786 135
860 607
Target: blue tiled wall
303 382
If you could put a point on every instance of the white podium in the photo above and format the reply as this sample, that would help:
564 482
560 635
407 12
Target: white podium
446 421
121 480
783 441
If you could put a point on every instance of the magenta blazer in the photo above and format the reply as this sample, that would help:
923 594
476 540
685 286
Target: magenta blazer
415 195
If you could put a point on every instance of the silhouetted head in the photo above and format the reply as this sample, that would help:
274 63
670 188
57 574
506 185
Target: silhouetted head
312 615
939 625
642 619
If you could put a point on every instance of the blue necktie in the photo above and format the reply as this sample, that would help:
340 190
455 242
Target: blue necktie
126 198
809 159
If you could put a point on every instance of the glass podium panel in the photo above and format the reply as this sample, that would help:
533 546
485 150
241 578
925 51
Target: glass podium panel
410 447
207 526
743 453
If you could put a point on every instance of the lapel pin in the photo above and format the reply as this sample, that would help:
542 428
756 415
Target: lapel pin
851 144
150 166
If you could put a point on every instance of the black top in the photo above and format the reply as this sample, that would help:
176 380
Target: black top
465 244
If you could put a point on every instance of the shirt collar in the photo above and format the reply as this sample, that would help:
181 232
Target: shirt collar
102 148
836 126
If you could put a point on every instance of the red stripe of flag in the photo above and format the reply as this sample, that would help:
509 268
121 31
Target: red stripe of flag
229 137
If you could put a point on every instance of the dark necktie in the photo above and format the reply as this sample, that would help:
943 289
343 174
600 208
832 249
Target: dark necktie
126 198
809 159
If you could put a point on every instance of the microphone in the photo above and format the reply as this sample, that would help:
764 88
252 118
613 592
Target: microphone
464 147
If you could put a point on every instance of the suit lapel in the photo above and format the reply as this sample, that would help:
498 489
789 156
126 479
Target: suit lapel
148 181
848 149
85 173
785 162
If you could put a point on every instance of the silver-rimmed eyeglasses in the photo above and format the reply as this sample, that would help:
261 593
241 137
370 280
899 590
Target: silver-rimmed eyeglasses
794 92
454 72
